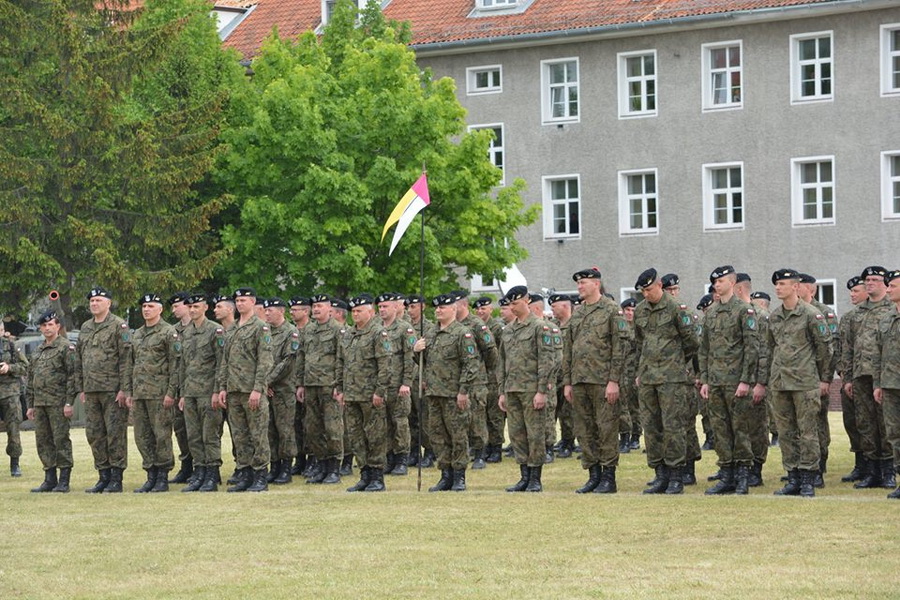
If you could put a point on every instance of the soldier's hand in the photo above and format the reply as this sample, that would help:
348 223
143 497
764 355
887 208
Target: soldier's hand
848 389
4 368
501 402
637 382
29 414
253 402
301 394
181 404
567 393
540 401
462 401
377 401
742 390
168 402
129 401
879 396
81 395
823 388
120 398
222 399
339 396
68 411
704 391
270 392
404 392
759 393
419 345
612 392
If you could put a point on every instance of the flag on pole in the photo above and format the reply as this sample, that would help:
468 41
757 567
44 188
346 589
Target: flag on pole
406 210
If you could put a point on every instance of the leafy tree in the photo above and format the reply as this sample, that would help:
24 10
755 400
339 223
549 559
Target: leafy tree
109 127
340 128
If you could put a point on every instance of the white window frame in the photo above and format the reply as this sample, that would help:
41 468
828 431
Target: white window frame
549 203
888 180
496 4
797 96
706 50
625 293
887 58
625 228
823 283
625 111
708 197
472 74
797 191
547 117
495 148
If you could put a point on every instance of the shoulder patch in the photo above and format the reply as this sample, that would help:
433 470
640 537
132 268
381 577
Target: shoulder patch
819 316
750 311
468 335
265 327
682 306
219 331
124 325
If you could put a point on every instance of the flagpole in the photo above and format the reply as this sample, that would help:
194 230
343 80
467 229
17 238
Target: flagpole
421 334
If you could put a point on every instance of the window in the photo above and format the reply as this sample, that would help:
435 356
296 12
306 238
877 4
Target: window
329 5
723 196
890 185
638 210
637 84
495 150
484 80
559 83
825 293
562 207
812 190
228 18
497 3
812 63
722 76
890 59
626 293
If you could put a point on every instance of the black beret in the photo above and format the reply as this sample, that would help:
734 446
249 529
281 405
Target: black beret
414 300
532 298
592 273
443 300
223 298
760 296
178 297
718 272
854 281
313 300
554 298
274 302
516 293
705 302
260 302
99 292
302 301
874 271
670 280
628 303
503 301
361 300
340 303
196 298
807 278
483 301
46 317
784 274
645 279
244 291
576 299
711 289
459 294
890 276
742 277
150 299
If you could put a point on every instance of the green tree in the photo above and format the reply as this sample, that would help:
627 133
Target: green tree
109 128
340 129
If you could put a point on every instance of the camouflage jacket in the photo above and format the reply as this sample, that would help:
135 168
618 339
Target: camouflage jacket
201 352
246 358
527 357
487 350
887 357
556 336
364 362
51 374
831 321
285 345
846 330
859 349
11 382
153 363
799 349
316 362
729 344
666 340
762 354
451 361
403 365
101 355
594 344
630 355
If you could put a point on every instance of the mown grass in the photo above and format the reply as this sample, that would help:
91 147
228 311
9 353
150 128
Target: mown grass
302 541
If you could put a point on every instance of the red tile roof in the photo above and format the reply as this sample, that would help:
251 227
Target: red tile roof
292 17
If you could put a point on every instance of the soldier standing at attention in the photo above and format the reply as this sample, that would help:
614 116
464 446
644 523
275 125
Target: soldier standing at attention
450 370
494 417
526 368
101 364
397 403
339 310
315 377
628 396
241 381
151 388
728 355
201 352
846 329
561 306
51 387
666 340
761 301
178 303
593 356
281 391
13 366
224 311
799 359
300 308
363 371
536 305
886 378
419 422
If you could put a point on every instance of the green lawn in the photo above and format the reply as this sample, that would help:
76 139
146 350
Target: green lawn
303 541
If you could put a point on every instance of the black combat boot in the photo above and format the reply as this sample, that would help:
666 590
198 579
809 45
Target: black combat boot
299 465
376 483
792 487
275 472
115 481
495 455
594 474
657 475
635 443
660 483
63 485
412 460
519 486
211 483
534 480
742 480
284 476
508 451
195 482
162 480
235 477
347 465
709 443
365 478
14 469
689 475
243 480
428 459
184 473
624 443
311 465
332 471
49 483
676 484
715 476
859 465
444 483
888 481
479 462
565 449
754 479
872 477
607 481
459 480
400 467
151 481
548 455
725 485
895 495
101 484
260 482
807 484
389 462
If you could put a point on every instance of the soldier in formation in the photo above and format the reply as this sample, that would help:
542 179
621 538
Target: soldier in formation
13 366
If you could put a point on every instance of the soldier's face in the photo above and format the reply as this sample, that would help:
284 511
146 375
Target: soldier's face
653 293
386 311
245 304
562 310
673 290
874 285
179 310
785 288
723 285
223 310
363 314
321 311
151 311
296 313
893 290
274 315
519 307
537 308
197 310
445 313
506 313
484 312
49 329
857 294
629 313
98 305
415 311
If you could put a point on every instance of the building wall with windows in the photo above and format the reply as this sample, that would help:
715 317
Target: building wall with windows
763 144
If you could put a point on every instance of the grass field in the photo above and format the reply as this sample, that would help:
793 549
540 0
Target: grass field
303 541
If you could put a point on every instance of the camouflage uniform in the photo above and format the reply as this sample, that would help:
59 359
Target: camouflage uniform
51 385
414 417
179 426
886 375
246 360
10 391
283 402
487 375
316 372
553 395
846 329
152 375
496 418
451 367
397 407
628 393
201 353
101 362
527 361
759 413
831 323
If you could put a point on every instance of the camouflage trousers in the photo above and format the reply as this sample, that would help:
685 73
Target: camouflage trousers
731 421
870 420
629 411
596 424
496 419
691 440
848 415
478 430
797 416
181 436
282 409
550 416
770 411
300 429
705 418
565 415
51 435
12 418
527 428
397 409
824 428
448 428
153 433
324 423
367 428
759 431
204 430
348 446
106 428
249 429
891 408
664 411
415 418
